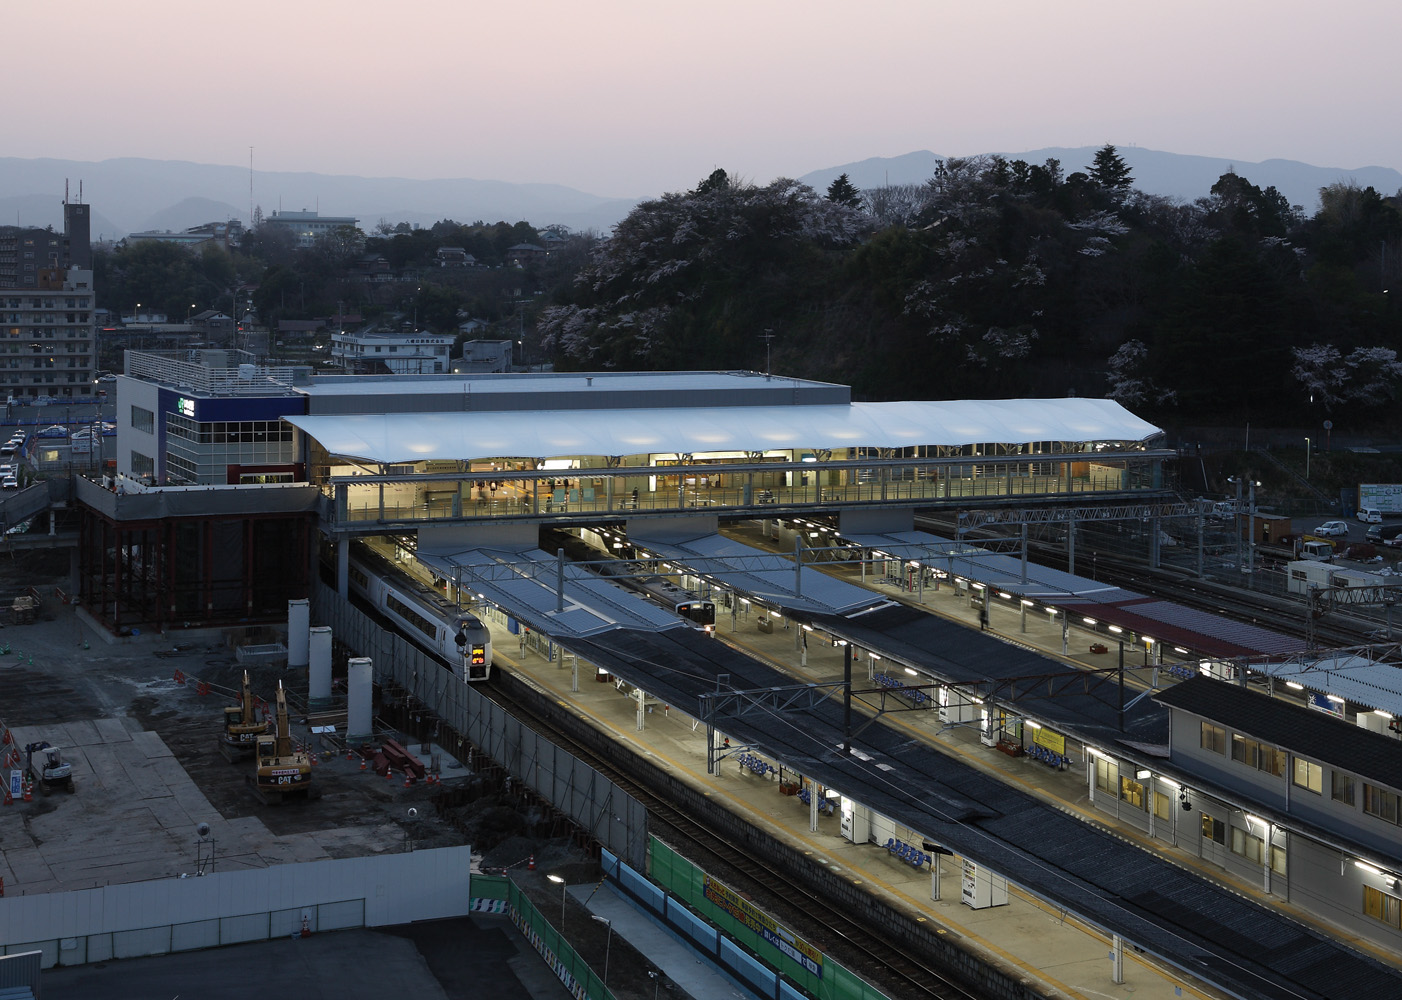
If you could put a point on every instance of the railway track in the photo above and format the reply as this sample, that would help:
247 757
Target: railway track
901 974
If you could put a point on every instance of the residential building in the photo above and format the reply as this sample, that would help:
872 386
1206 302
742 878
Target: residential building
525 253
24 253
376 353
484 356
46 336
454 257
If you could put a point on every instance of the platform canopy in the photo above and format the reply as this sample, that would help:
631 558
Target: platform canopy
393 438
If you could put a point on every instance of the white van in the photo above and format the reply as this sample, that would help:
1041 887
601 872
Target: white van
1370 515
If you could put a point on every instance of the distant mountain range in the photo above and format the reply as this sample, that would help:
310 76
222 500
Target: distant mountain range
1171 174
137 195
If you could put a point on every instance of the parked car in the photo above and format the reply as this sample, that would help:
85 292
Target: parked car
1331 528
9 483
1370 515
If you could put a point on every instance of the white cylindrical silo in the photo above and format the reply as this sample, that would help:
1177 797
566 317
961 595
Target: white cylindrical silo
360 693
299 617
319 674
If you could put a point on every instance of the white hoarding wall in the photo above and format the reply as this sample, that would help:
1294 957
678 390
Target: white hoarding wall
180 914
1386 497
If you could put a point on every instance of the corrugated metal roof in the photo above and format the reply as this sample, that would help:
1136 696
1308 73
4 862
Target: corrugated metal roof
524 582
462 436
1202 632
1361 681
1316 735
1174 913
767 576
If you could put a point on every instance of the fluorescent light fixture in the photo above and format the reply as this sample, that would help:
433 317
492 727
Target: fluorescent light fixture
873 656
1148 640
1293 686
1032 725
1368 868
1026 603
1335 699
1095 750
1005 595
1169 782
1143 774
744 600
776 614
911 672
1180 649
1114 628
808 628
978 586
1051 610
1090 621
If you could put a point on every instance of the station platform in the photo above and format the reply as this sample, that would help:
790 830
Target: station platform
1024 937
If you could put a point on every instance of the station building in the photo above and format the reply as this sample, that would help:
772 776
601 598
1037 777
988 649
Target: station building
366 455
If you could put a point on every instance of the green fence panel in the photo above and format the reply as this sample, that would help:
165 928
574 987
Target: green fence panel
687 882
490 886
574 972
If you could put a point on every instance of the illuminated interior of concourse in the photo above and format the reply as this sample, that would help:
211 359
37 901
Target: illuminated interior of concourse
508 486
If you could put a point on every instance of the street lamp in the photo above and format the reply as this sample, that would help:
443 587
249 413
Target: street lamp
1307 458
607 945
561 882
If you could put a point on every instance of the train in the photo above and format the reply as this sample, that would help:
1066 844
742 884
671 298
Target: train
435 625
683 603
591 547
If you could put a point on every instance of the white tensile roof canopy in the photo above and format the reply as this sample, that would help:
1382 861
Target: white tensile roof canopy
394 438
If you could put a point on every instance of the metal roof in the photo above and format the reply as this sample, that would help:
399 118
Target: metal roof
1361 681
768 576
1202 632
1169 911
463 436
525 582
1303 731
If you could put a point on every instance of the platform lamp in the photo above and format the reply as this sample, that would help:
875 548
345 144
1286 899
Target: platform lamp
559 880
607 945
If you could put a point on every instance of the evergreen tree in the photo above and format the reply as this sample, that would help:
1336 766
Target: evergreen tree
1110 170
842 192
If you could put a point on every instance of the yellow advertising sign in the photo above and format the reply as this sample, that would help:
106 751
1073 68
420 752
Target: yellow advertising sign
1054 742
762 924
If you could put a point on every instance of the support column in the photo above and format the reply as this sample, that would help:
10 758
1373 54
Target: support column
360 694
1071 544
299 617
1117 959
319 668
813 806
343 566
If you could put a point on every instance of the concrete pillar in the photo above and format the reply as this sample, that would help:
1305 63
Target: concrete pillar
319 674
343 566
299 617
360 693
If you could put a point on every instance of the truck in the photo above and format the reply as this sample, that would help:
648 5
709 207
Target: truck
1315 549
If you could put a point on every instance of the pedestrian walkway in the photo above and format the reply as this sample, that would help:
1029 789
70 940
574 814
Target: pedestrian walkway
678 962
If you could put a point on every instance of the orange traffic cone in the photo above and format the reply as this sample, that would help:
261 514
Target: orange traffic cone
9 799
8 738
28 793
530 864
362 763
180 677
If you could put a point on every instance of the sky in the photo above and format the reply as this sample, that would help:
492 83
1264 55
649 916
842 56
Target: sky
630 99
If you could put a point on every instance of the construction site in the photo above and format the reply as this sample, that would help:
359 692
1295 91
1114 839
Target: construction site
165 767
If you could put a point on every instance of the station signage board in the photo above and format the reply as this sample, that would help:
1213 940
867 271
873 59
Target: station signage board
742 910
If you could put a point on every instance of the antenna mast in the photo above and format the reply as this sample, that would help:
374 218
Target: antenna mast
250 188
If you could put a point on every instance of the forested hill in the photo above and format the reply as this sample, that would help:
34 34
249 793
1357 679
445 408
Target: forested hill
1002 278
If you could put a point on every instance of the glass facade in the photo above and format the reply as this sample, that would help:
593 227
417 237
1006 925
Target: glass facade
200 453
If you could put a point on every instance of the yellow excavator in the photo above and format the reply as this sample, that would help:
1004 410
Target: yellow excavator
241 730
283 770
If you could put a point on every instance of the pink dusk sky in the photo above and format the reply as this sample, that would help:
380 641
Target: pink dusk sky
634 98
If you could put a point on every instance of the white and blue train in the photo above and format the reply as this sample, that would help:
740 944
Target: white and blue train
435 625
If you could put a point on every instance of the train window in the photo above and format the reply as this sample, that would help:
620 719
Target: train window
1214 738
359 578
1309 776
411 616
1341 787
